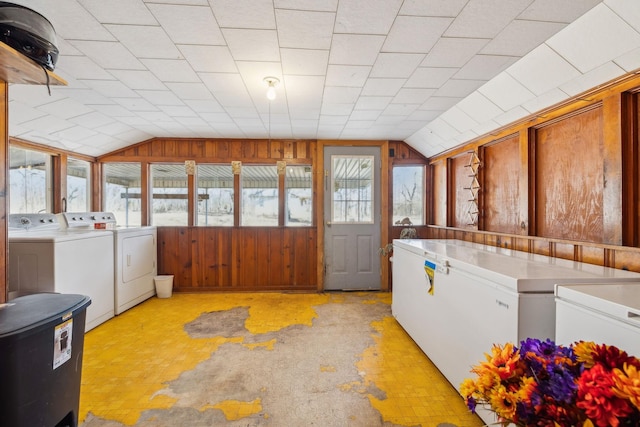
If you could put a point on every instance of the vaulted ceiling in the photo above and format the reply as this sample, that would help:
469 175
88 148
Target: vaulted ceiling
434 73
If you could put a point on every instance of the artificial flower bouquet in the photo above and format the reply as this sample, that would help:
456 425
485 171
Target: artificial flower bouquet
547 385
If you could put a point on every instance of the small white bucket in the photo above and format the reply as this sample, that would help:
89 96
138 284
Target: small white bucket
164 286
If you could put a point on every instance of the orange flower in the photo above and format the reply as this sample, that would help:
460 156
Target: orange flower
584 351
626 384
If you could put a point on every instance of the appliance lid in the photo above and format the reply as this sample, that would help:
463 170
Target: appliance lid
619 300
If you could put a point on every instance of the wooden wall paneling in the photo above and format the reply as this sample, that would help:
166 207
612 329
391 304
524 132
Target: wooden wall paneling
59 190
4 189
566 251
460 194
439 199
569 178
96 202
630 119
145 193
612 170
626 259
192 201
251 259
319 214
501 186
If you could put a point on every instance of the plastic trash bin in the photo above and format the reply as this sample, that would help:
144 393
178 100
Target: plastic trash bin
164 286
41 346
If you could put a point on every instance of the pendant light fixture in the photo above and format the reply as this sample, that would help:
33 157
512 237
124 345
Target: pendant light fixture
271 82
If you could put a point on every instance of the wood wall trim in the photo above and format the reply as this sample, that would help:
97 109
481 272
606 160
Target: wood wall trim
4 189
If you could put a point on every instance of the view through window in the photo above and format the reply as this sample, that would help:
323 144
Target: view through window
408 195
215 195
29 181
122 192
78 185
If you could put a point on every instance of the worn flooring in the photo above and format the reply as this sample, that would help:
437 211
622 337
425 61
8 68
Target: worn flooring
263 359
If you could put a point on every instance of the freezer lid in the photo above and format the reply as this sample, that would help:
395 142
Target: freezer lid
30 312
618 300
515 270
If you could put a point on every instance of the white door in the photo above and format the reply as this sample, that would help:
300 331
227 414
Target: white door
352 218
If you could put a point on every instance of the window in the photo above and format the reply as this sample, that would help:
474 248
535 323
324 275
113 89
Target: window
215 195
122 192
29 181
259 195
169 204
408 195
352 184
78 185
299 196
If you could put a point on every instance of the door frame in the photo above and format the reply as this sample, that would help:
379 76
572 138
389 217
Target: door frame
384 202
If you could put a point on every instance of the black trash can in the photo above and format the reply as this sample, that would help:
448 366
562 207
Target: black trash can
41 346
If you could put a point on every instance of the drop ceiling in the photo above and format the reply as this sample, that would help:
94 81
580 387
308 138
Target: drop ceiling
433 73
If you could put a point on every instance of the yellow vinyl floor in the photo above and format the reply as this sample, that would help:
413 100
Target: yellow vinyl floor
263 359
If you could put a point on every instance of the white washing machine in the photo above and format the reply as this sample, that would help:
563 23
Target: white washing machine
43 257
135 255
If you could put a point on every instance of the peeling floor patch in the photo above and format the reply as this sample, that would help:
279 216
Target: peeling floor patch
262 360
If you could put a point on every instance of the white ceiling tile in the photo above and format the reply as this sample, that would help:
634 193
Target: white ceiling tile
373 102
160 97
597 37
108 54
459 119
305 30
65 108
506 92
34 95
189 91
415 34
511 116
178 111
453 52
432 7
111 88
188 24
72 21
347 75
365 114
232 99
305 114
486 127
256 14
145 42
423 115
334 120
394 109
84 68
204 106
382 87
211 59
252 77
91 120
458 88
484 67
76 133
216 118
374 17
87 96
136 104
252 45
629 61
431 77
355 49
557 11
606 72
413 96
191 121
113 128
479 108
23 113
520 37
48 124
304 91
336 109
400 65
545 100
485 18
440 103
114 110
319 5
155 116
629 10
443 129
121 11
341 95
191 2
542 70
304 62
138 79
172 70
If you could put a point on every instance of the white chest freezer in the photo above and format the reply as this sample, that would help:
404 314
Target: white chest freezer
605 313
480 296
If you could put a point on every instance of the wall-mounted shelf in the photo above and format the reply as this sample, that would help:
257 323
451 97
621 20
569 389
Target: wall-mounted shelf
17 68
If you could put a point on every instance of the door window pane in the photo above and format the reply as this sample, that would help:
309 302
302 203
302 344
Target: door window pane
408 195
215 195
259 195
169 204
352 184
29 181
299 196
123 192
78 185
